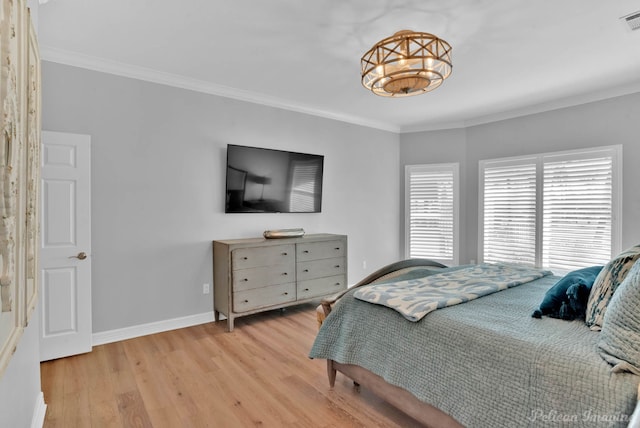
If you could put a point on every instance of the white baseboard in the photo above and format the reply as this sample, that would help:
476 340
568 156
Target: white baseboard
39 412
111 336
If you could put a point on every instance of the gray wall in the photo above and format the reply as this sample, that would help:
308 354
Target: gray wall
608 122
20 383
158 187
423 148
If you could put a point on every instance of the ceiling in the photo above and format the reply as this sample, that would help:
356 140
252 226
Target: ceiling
510 57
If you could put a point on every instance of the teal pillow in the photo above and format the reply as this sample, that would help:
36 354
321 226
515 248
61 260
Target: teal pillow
606 283
567 298
619 341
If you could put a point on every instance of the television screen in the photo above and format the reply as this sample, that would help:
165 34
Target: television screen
272 181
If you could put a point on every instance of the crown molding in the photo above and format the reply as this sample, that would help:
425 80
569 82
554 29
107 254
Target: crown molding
146 74
603 94
61 56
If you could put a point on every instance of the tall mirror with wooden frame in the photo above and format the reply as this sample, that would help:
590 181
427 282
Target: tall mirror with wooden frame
32 170
19 172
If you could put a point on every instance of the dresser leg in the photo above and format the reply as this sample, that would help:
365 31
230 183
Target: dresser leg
216 315
229 323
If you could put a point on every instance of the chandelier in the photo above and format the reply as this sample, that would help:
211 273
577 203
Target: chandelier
407 63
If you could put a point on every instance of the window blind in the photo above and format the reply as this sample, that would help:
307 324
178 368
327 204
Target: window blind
510 213
556 210
432 198
577 213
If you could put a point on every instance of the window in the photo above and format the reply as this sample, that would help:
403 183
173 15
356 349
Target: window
557 210
431 212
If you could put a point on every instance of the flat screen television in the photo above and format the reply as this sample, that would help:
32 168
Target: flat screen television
263 180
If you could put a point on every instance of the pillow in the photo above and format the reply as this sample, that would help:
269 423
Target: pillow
606 283
567 299
619 341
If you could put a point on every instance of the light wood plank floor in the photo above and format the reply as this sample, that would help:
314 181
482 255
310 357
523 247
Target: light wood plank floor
258 375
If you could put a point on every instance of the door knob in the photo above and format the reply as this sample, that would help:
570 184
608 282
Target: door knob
80 256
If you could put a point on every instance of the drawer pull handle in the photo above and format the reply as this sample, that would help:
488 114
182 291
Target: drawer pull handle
245 258
246 301
337 248
306 289
285 273
246 279
284 254
337 283
286 294
306 270
336 266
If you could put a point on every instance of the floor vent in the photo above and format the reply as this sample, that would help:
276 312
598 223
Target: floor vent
633 20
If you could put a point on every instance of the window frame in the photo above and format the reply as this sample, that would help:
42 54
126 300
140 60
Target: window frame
454 169
614 151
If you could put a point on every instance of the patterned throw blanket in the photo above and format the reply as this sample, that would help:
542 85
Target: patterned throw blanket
415 298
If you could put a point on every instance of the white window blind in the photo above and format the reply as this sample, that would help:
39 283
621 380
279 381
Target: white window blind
431 207
510 213
577 214
556 210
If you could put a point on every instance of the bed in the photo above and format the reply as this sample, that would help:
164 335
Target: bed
484 363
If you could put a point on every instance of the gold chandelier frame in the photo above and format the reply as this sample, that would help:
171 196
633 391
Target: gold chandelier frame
405 64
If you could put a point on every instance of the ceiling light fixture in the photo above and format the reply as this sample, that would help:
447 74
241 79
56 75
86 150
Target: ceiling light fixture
407 63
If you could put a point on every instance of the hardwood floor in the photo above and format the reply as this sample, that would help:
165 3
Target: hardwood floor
258 375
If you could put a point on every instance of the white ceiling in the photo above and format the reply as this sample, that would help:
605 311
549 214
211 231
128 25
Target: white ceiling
510 57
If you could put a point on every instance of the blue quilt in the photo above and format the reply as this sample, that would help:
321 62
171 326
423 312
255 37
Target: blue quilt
487 363
415 298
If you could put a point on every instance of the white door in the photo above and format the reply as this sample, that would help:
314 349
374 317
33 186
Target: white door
65 255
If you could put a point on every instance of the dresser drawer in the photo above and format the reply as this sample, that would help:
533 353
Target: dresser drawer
261 297
319 250
321 286
321 268
244 258
247 279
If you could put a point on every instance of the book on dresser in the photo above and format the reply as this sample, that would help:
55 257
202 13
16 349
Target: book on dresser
257 274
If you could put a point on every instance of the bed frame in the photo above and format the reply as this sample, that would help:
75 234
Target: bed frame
400 398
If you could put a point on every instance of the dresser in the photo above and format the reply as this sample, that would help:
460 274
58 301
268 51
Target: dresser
258 274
